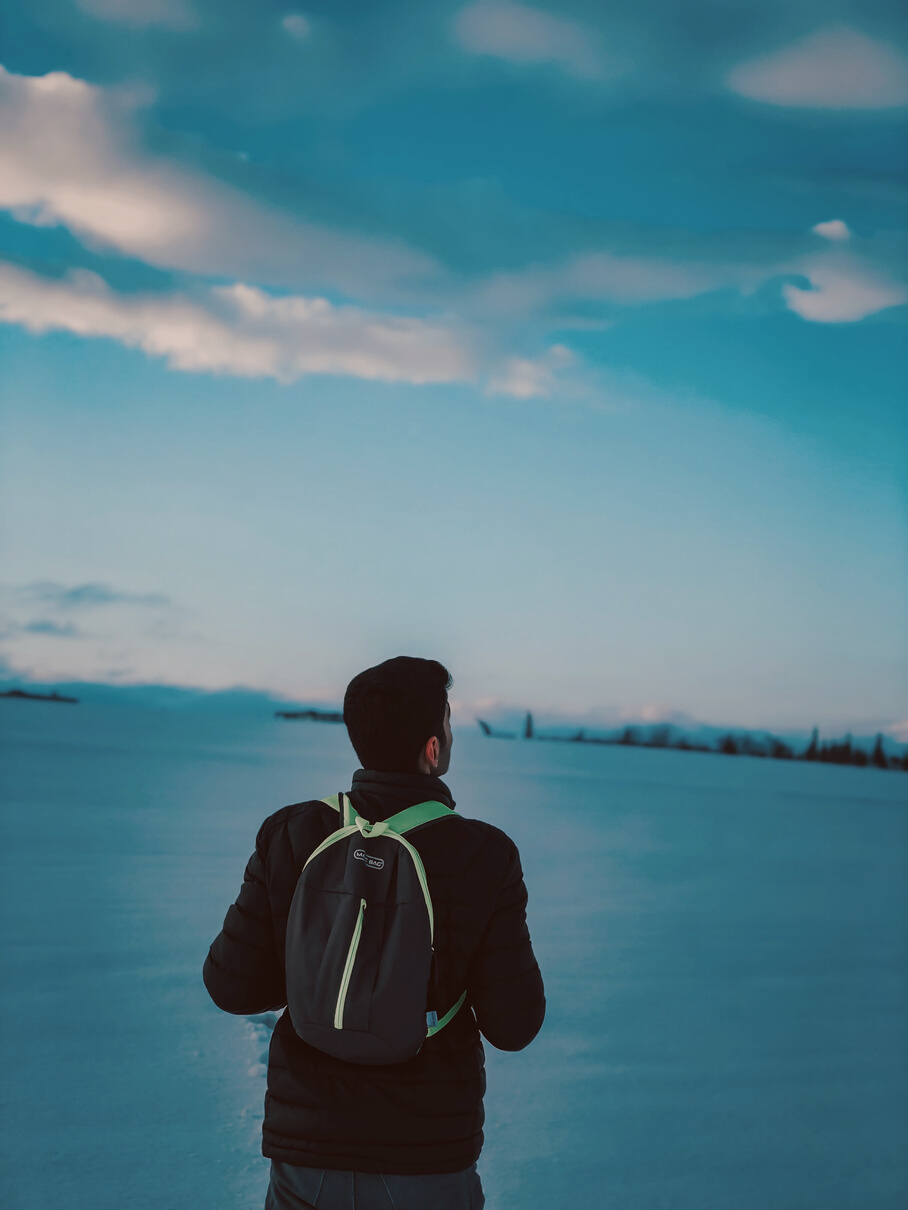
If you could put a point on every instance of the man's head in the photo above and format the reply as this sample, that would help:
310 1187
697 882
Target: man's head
398 718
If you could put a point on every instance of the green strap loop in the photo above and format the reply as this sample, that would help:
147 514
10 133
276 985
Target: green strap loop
371 829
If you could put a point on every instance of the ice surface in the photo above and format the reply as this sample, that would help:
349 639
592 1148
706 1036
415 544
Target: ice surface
724 942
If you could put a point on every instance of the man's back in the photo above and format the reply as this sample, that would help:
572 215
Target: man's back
425 1115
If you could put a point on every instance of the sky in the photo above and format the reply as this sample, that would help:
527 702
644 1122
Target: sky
563 344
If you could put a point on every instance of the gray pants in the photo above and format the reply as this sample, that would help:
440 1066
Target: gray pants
294 1188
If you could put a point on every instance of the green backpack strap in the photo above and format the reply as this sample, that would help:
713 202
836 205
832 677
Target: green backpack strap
404 821
414 817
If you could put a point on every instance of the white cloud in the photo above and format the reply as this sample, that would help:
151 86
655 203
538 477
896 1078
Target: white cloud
69 155
172 14
239 330
845 286
844 290
835 68
528 378
521 34
297 26
834 230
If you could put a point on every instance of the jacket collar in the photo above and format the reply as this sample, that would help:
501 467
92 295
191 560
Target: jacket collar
378 795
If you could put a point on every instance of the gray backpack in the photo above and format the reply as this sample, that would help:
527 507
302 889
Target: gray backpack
360 932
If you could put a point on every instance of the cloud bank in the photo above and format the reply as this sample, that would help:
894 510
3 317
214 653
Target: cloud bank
239 330
59 631
835 68
69 154
56 605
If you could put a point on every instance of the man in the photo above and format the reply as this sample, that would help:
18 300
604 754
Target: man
345 1136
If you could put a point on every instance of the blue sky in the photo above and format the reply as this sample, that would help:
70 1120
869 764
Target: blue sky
563 344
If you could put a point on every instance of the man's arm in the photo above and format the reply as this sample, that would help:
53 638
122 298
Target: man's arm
242 971
505 984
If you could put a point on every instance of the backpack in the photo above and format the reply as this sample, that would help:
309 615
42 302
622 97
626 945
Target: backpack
360 962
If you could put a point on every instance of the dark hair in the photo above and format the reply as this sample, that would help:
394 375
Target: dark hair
393 709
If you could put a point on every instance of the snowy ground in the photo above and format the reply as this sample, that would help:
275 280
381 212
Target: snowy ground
724 941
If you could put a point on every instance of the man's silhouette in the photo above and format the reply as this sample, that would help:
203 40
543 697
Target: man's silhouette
345 1136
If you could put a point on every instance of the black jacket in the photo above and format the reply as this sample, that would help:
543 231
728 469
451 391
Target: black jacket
425 1115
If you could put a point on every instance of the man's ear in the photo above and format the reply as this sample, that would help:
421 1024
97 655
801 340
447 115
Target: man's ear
428 758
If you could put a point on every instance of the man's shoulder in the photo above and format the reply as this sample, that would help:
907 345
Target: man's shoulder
480 849
295 817
486 832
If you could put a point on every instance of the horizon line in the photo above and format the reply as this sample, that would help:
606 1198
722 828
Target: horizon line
9 681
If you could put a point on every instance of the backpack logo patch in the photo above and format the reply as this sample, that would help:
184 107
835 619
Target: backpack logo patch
374 863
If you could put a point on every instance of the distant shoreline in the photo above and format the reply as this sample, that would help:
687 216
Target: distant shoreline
833 752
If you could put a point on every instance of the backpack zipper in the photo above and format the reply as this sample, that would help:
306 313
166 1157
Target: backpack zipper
348 967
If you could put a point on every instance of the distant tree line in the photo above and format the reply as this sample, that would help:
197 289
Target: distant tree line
832 752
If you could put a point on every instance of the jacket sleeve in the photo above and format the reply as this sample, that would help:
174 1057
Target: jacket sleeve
505 983
243 972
